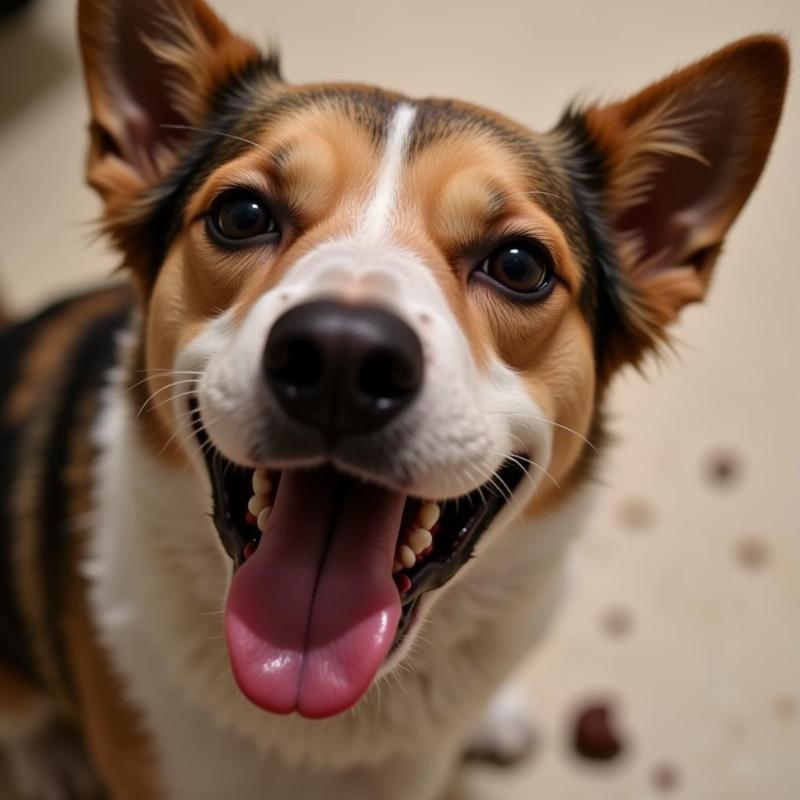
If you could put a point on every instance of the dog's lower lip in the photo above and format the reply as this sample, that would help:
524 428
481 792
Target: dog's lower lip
463 522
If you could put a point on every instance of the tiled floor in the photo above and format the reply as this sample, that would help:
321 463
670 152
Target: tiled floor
683 613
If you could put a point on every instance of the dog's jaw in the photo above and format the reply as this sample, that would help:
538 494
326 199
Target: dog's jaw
159 578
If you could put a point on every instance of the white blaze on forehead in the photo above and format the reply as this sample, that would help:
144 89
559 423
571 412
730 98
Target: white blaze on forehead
378 212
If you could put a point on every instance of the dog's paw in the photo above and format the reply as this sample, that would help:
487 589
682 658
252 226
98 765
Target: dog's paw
507 733
50 765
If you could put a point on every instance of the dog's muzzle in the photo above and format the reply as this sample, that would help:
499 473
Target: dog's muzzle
331 563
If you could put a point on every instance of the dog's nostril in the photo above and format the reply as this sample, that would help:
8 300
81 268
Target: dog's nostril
387 375
297 363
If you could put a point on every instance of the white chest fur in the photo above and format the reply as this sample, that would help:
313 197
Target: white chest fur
158 578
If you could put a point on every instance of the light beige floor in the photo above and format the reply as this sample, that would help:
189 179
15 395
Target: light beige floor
699 573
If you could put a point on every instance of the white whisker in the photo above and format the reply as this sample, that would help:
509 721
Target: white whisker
161 374
521 415
189 393
540 467
163 389
214 133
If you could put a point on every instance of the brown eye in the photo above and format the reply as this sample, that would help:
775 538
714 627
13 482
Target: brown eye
241 215
523 268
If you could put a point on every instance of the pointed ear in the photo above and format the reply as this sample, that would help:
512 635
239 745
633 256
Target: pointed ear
150 64
678 162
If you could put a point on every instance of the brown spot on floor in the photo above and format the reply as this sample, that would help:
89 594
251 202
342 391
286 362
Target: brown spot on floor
752 553
594 732
786 707
635 514
665 777
617 622
738 730
723 468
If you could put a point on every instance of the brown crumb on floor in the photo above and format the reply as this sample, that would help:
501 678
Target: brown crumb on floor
752 553
635 514
786 707
723 468
594 733
617 622
665 777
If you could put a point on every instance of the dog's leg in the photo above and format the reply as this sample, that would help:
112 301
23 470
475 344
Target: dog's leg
43 758
507 733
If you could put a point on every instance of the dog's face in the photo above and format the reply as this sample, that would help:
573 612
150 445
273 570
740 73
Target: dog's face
383 326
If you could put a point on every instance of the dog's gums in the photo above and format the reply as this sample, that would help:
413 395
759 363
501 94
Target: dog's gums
299 638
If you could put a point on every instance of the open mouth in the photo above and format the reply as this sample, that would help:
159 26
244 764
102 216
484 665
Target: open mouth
328 572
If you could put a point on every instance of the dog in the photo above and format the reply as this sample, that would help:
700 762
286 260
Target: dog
282 509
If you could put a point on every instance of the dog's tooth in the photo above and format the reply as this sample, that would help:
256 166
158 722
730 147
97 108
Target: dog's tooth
263 517
397 567
256 504
262 483
406 556
429 515
419 539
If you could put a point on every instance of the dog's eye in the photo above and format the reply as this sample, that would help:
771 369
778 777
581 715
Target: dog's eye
523 268
239 215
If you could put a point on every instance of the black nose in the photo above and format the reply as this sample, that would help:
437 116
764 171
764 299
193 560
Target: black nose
341 368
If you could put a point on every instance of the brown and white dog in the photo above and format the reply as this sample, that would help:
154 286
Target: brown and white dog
324 455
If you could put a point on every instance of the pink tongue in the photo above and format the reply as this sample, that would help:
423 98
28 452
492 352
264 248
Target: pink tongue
312 614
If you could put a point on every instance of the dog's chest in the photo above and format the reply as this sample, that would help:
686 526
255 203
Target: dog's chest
156 597
198 759
138 612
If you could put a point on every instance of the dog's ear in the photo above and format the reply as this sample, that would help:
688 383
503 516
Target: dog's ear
677 163
149 65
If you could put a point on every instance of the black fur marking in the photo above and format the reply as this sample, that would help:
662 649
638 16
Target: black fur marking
257 98
14 344
243 109
437 119
93 355
204 151
603 288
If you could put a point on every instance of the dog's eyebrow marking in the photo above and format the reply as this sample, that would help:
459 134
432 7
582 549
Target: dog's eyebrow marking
379 210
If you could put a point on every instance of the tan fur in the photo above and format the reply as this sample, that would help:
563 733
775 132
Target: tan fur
462 191
202 53
640 135
29 558
48 352
199 53
36 398
470 191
